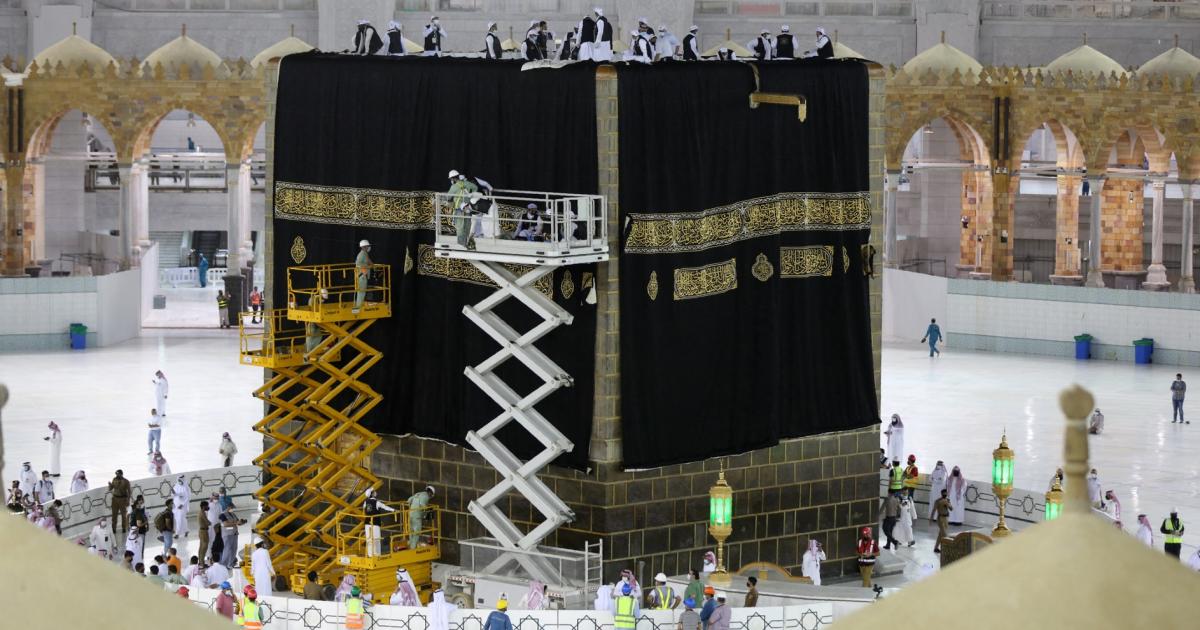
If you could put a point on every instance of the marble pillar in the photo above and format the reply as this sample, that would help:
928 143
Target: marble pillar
125 225
1187 283
143 192
1066 235
1094 277
235 284
1156 273
891 184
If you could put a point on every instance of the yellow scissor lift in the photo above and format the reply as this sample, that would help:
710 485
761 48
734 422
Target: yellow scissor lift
372 547
317 456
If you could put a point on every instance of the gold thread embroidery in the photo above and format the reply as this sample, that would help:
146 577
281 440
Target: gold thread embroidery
845 260
567 286
694 282
457 270
652 286
752 218
354 206
762 269
299 253
806 262
586 283
408 261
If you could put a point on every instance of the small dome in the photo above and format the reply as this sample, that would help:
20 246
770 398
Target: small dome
942 58
283 48
74 50
183 50
1085 60
841 51
1176 63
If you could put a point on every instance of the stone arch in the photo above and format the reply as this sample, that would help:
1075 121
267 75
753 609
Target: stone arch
40 127
146 124
1068 179
246 136
906 127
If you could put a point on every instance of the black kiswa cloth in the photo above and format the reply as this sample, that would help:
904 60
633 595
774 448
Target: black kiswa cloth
753 357
351 124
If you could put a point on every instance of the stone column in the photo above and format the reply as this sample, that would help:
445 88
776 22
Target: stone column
1156 273
1066 234
234 282
1186 283
891 184
125 222
14 220
246 244
605 442
143 196
1094 277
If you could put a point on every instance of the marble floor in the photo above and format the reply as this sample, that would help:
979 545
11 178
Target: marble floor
187 307
956 407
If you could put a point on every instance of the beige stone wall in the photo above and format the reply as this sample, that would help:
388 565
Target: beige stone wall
1121 225
1067 255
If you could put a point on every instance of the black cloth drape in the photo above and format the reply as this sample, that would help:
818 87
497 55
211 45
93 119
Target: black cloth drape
359 143
744 310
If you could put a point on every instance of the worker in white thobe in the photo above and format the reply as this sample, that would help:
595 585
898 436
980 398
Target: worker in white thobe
810 564
101 539
79 482
27 478
903 532
373 508
1145 532
160 393
264 572
181 495
895 438
937 481
405 593
956 489
55 442
1095 496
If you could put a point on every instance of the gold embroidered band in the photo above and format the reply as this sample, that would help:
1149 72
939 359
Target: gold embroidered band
458 270
752 218
411 210
694 282
806 262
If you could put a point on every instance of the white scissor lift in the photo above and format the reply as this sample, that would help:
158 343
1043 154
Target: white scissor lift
515 252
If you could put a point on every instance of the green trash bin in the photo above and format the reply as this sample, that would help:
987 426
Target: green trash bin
78 336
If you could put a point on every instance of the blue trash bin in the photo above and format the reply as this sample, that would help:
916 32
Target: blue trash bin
78 336
1143 351
1083 347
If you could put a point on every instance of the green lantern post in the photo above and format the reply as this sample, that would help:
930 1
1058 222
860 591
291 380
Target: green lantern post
1054 501
720 516
1002 482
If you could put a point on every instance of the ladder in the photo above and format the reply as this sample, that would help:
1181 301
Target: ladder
516 407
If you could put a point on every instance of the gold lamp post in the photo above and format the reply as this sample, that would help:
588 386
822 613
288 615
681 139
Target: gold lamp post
720 516
1002 482
1054 501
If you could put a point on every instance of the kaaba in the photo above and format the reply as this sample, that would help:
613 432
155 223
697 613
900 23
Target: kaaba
735 326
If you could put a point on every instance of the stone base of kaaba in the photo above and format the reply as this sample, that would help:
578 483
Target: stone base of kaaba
824 487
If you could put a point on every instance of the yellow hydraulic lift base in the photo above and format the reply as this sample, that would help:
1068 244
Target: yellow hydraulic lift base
317 455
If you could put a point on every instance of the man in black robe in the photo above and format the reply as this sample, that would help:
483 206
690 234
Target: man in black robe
544 37
587 38
603 50
691 44
529 48
785 44
491 44
762 46
569 50
824 48
434 34
395 40
366 39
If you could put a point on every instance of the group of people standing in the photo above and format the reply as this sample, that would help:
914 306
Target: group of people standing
592 39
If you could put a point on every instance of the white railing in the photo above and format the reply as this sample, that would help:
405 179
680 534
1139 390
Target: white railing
813 8
564 224
176 277
1155 10
80 511
285 613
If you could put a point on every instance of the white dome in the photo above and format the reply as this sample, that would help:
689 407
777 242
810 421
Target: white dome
942 58
183 50
1176 63
74 50
283 48
1085 60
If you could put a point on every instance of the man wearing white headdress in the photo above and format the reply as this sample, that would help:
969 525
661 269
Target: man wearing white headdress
710 563
394 40
101 539
903 532
79 482
440 611
535 597
785 43
956 491
366 39
639 48
1095 496
491 44
434 34
691 44
405 593
1145 532
603 49
810 564
373 507
823 47
264 571
895 438
937 481
343 589
665 44
181 497
27 478
762 46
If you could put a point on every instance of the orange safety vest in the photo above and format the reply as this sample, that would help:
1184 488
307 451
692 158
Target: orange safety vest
256 298
354 613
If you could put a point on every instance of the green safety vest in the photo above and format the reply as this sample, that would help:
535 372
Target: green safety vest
666 595
222 302
1172 538
623 618
897 479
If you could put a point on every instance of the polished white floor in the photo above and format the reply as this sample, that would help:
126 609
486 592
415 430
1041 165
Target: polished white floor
101 398
956 407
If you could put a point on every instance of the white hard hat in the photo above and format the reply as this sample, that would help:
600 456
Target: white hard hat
453 174
364 243
661 577
720 594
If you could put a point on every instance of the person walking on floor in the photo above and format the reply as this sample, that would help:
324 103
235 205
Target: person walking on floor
55 443
227 450
933 334
1178 389
1172 529
164 522
890 508
223 309
255 306
202 267
154 435
941 509
160 393
868 550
